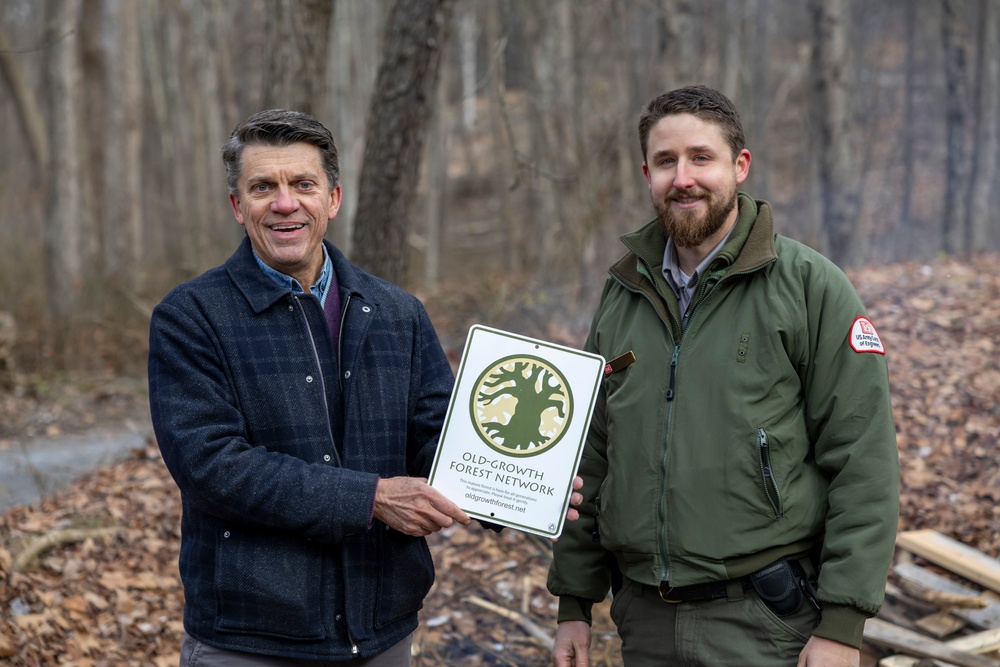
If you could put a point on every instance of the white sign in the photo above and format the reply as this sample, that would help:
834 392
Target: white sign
515 429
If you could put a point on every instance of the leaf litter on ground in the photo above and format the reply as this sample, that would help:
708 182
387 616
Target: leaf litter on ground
106 591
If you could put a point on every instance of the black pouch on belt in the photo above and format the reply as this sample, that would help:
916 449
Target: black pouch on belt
778 587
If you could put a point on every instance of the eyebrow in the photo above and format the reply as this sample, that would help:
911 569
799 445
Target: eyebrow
690 149
295 178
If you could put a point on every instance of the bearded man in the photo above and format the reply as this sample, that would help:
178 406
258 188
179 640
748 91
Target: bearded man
741 475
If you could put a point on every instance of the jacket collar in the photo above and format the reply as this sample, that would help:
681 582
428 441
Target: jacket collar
750 246
262 292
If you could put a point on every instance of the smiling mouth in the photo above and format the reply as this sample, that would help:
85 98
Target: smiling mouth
286 228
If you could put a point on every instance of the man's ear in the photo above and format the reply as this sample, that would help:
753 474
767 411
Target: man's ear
235 204
336 196
743 161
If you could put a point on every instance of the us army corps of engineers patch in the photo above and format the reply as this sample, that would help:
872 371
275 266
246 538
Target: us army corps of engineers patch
515 429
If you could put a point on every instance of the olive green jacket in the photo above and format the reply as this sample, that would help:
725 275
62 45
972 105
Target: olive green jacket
755 432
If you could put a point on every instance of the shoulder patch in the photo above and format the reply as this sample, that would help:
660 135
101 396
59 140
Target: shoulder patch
864 338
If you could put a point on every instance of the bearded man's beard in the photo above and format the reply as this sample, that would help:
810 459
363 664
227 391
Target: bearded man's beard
692 228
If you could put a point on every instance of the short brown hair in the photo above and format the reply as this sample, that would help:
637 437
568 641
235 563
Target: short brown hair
701 101
280 127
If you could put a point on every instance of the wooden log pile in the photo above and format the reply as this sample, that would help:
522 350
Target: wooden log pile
942 605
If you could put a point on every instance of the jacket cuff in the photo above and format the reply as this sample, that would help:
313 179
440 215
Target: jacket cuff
840 623
575 609
371 510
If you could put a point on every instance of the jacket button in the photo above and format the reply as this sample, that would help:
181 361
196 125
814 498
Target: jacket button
309 378
326 457
226 534
366 309
291 307
347 375
339 617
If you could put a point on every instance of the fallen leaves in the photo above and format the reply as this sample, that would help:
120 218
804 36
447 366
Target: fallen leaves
106 598
941 326
113 600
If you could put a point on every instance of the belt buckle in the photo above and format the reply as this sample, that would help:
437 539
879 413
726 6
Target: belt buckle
664 595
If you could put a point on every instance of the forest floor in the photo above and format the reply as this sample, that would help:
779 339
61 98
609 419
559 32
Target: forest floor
88 575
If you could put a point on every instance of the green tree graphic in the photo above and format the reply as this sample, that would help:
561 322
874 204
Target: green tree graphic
533 393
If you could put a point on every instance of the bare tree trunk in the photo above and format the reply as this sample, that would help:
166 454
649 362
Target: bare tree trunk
737 17
28 109
588 221
513 226
628 157
95 70
467 31
161 55
678 43
761 102
121 219
357 40
63 243
551 59
909 133
401 107
957 114
437 179
297 75
838 191
985 147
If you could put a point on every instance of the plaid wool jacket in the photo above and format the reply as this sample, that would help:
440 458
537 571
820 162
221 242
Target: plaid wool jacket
276 441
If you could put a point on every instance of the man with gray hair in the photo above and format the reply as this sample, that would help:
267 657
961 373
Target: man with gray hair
298 402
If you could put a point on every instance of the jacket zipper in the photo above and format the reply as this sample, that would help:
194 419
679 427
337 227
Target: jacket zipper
322 379
340 342
661 507
767 472
671 393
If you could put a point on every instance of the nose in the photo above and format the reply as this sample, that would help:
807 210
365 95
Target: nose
683 178
284 202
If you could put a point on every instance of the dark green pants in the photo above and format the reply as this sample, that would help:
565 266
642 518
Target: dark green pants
736 630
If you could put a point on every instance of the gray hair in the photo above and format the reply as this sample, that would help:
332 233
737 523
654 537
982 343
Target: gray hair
279 127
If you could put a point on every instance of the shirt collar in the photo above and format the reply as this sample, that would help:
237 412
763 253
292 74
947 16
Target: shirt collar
672 270
319 289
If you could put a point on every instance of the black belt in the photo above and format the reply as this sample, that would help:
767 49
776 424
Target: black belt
710 590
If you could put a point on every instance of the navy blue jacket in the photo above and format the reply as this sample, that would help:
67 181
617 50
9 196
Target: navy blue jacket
276 441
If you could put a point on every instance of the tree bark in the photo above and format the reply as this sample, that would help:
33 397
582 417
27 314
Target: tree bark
760 101
503 149
838 189
401 107
121 219
26 103
468 30
63 242
678 43
93 112
296 78
357 41
909 133
985 147
957 114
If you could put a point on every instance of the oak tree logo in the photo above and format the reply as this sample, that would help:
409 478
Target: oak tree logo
521 406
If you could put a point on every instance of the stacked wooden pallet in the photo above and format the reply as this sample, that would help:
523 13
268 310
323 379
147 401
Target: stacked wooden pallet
935 618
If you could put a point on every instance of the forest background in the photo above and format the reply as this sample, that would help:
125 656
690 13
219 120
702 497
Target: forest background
492 166
490 161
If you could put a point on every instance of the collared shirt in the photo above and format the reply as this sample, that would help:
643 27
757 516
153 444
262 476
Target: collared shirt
321 287
682 284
